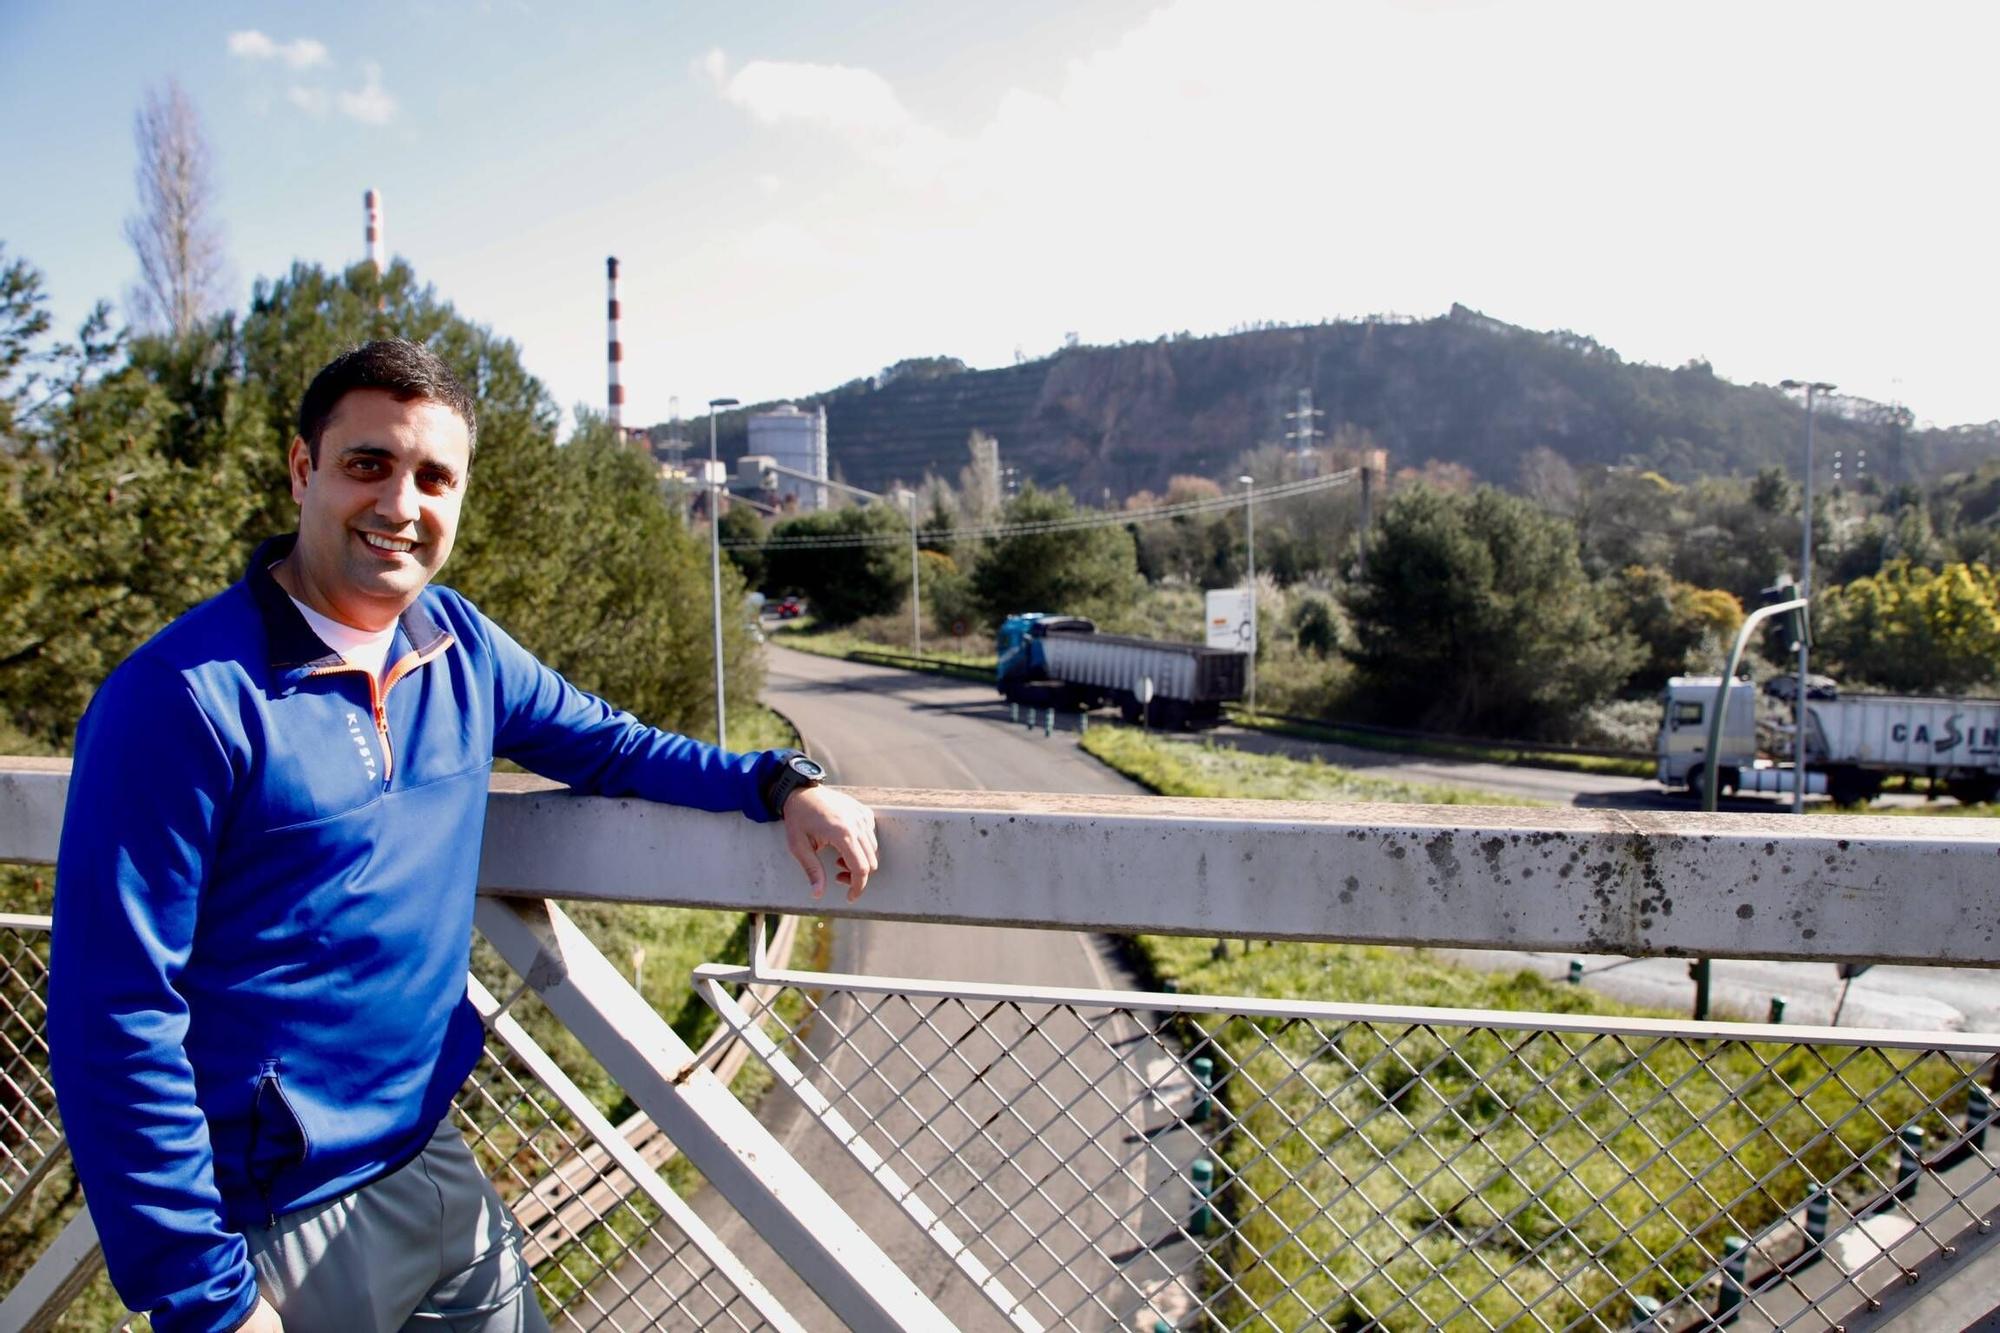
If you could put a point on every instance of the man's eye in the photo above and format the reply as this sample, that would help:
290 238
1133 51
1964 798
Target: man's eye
437 483
364 467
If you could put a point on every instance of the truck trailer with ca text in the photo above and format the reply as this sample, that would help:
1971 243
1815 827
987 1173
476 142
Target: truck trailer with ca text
1049 661
1854 742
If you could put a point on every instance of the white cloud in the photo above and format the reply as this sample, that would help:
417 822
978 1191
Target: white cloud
769 183
312 101
850 101
371 103
714 67
299 53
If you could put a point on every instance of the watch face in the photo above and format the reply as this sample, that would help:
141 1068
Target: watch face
806 768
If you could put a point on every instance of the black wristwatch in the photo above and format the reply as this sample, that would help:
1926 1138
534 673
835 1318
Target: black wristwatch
793 772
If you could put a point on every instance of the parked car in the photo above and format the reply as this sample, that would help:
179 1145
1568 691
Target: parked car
788 608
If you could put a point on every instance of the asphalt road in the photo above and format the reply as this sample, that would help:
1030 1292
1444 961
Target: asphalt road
874 726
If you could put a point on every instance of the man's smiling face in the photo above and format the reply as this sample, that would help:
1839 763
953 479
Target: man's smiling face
377 515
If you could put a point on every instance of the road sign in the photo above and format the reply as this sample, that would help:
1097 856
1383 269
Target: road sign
1229 621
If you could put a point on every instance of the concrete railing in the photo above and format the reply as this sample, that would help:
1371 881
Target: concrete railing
1865 889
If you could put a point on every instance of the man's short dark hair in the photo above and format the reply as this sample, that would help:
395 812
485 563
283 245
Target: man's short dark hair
403 368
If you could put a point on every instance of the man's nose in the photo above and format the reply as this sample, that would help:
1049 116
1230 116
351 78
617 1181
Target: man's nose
397 499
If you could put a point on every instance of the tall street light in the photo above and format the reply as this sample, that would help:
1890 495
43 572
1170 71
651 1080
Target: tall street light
1813 389
1250 548
715 561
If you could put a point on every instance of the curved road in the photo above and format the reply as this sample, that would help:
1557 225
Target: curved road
875 726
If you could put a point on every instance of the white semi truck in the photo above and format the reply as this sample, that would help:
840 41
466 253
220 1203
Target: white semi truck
1854 742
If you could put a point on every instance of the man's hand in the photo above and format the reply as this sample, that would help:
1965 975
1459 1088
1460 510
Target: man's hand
263 1319
817 817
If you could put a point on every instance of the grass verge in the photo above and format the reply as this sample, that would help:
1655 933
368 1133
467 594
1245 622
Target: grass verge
1202 768
1333 732
1365 1160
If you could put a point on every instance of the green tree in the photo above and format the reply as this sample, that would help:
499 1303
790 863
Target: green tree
1908 628
1675 623
609 585
842 583
1086 571
1475 614
742 525
119 508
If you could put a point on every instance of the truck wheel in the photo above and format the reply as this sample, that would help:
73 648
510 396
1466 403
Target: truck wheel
1974 790
1852 786
1696 776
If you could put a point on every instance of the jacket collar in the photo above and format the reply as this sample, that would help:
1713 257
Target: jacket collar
289 640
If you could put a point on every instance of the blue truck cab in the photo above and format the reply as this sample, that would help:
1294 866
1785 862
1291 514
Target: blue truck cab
1020 657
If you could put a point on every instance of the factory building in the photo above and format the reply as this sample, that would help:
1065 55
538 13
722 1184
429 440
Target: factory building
796 440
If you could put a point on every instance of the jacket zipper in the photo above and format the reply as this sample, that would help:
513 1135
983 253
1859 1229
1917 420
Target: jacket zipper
378 696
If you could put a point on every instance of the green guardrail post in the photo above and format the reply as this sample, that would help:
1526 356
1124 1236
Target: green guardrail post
1645 1312
1049 720
1083 721
1978 1111
1013 711
1202 1176
1818 1204
1735 1265
1909 1161
1576 971
1777 1008
1204 1078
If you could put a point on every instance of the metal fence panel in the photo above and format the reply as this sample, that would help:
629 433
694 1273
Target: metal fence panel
1110 1157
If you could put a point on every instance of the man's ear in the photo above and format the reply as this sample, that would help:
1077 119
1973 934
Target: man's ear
298 462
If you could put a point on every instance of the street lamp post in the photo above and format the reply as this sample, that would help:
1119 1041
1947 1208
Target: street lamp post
715 561
1813 389
916 586
1250 582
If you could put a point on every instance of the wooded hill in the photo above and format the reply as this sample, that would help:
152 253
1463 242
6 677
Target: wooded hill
1463 388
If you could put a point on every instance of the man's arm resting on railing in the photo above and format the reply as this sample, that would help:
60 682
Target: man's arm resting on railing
137 841
549 726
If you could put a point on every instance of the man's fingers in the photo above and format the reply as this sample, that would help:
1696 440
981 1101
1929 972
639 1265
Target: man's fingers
800 844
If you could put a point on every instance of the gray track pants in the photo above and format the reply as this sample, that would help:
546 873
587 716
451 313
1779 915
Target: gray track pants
428 1248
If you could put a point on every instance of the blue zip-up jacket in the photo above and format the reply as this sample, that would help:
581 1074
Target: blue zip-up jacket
263 913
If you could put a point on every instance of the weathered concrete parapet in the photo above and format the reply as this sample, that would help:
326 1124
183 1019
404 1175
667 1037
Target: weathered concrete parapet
1870 888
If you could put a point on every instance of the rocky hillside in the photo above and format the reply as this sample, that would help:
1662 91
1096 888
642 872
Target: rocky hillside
1463 389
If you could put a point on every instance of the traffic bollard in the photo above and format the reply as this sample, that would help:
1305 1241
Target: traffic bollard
1735 1263
1082 722
1049 720
1978 1110
1909 1161
1013 711
1818 1203
1645 1312
1204 1077
1576 971
1777 1008
1203 1177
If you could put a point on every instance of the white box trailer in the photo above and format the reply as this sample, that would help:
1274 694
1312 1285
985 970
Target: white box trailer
1854 742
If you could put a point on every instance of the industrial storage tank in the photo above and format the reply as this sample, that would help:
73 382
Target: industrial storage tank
796 440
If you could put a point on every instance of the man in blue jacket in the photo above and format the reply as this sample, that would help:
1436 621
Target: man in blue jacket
257 1001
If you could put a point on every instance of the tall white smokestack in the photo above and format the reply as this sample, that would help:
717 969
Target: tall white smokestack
617 402
373 202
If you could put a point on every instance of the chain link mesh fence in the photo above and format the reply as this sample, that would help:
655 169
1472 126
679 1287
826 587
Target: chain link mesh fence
1308 1166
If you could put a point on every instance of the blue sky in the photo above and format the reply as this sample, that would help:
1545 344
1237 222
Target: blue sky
803 193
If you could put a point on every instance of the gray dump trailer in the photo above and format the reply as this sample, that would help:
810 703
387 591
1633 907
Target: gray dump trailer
1063 662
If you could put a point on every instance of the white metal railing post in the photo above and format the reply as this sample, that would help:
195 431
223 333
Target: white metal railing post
726 1143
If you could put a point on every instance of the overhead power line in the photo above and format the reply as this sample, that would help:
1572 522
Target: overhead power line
1097 519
